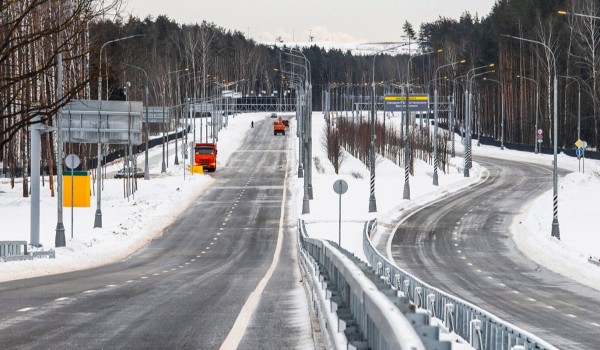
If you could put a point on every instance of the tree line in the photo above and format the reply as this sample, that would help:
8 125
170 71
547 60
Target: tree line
195 61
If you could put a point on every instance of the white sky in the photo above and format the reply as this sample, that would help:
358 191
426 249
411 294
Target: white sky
130 223
331 20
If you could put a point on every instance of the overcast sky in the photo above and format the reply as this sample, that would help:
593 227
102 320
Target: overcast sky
326 20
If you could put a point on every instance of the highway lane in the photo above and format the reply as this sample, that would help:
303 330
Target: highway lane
462 245
186 288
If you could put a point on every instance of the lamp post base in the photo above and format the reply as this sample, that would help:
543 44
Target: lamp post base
98 219
372 204
59 240
406 193
555 229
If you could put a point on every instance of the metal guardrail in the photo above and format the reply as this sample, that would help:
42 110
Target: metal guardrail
482 329
357 306
17 250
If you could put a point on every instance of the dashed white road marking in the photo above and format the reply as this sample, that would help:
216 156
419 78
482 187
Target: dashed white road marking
550 307
571 315
25 309
531 299
129 281
61 299
516 292
144 277
595 324
89 291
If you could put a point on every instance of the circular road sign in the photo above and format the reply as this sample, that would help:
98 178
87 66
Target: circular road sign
340 186
72 161
540 131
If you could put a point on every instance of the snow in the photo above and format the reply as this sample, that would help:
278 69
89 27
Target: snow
131 222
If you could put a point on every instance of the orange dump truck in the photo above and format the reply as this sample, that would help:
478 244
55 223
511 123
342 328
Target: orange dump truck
205 154
278 127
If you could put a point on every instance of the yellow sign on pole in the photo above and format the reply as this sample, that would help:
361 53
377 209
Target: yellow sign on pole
579 143
80 187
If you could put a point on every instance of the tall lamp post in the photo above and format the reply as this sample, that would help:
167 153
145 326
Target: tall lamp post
308 116
435 121
468 115
502 108
146 170
406 192
555 227
537 101
98 215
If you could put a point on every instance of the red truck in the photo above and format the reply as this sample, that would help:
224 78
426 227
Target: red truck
278 127
205 154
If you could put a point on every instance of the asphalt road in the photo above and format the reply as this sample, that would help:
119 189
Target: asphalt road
185 289
462 245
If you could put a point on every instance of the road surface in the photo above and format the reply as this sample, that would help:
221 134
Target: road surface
462 245
233 250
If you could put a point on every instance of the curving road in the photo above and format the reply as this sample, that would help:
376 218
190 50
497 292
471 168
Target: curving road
462 245
233 250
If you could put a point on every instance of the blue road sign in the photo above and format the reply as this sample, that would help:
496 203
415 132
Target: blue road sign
579 152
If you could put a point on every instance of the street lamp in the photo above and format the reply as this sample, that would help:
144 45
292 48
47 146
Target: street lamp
146 170
502 102
468 116
571 13
435 120
537 101
555 227
406 192
98 215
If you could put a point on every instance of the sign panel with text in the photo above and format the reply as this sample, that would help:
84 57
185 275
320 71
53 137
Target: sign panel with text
397 103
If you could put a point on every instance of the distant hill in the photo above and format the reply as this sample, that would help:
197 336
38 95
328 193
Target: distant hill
357 49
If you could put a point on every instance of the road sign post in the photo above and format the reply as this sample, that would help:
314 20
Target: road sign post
340 187
580 152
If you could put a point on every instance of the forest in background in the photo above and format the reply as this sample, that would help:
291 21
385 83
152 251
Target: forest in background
34 32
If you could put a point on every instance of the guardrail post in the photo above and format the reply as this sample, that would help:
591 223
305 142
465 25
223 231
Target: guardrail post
406 288
475 334
397 281
387 275
449 316
419 297
431 304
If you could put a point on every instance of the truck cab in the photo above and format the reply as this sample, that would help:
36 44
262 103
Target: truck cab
205 154
278 127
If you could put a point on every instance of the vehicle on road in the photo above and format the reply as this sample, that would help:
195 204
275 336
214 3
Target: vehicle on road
273 115
129 172
278 127
205 154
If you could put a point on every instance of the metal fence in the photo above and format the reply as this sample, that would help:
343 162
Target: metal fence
482 329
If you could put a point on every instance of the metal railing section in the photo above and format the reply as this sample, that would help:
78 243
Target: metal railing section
359 315
482 329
